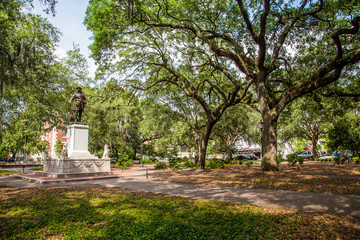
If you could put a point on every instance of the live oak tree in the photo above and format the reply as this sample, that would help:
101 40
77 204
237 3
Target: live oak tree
238 123
254 45
309 118
28 78
32 81
155 58
113 118
344 134
179 118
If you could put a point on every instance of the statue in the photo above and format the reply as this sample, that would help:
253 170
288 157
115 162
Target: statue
64 151
106 152
80 103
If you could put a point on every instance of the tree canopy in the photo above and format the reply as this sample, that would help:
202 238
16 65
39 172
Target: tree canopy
279 50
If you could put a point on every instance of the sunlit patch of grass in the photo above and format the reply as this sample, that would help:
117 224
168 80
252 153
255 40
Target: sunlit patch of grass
5 172
37 169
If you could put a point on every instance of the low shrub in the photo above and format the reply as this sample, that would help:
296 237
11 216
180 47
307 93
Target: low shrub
189 164
337 160
124 161
150 160
160 165
293 159
124 164
175 163
356 160
300 160
280 159
215 163
249 163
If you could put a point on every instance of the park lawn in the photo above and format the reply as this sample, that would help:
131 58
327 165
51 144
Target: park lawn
37 169
311 177
95 212
5 172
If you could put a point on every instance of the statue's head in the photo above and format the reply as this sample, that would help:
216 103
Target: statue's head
79 89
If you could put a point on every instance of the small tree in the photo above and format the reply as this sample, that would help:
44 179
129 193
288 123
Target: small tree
58 148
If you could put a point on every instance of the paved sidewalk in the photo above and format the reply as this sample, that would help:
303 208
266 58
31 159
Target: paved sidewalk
317 202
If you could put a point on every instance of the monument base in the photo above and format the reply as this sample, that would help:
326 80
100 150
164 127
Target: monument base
73 175
77 166
76 158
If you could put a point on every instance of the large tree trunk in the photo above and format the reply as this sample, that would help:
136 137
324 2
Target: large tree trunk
314 146
269 143
204 143
228 157
197 153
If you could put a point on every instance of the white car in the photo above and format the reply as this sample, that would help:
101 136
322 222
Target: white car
306 154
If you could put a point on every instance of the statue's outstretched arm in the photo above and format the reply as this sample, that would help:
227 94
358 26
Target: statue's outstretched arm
71 99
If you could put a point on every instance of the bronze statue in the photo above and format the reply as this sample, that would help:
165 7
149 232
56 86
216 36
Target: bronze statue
80 103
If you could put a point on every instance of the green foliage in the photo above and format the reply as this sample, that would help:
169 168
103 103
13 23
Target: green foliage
175 163
249 163
124 161
149 160
58 148
215 163
356 160
280 159
344 134
5 172
337 160
160 165
37 169
189 164
221 53
293 159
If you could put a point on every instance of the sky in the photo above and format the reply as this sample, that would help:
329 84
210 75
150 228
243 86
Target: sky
69 20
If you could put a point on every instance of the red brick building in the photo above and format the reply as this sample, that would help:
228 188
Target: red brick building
51 136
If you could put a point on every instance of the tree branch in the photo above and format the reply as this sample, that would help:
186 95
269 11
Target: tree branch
247 21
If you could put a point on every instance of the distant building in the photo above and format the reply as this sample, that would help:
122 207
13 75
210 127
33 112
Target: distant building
51 136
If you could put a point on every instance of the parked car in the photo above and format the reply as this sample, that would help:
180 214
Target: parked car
241 157
252 157
305 154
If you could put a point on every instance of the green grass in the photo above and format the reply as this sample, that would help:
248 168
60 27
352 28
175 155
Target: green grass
4 172
37 169
108 213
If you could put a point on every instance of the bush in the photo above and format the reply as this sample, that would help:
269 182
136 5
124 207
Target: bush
189 164
356 160
241 161
174 163
293 159
249 163
337 160
160 165
149 160
124 161
215 163
300 160
280 159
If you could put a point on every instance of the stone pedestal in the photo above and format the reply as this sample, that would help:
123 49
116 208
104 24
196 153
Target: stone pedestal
77 142
78 161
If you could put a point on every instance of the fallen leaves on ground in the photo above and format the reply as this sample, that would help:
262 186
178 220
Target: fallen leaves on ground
311 177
